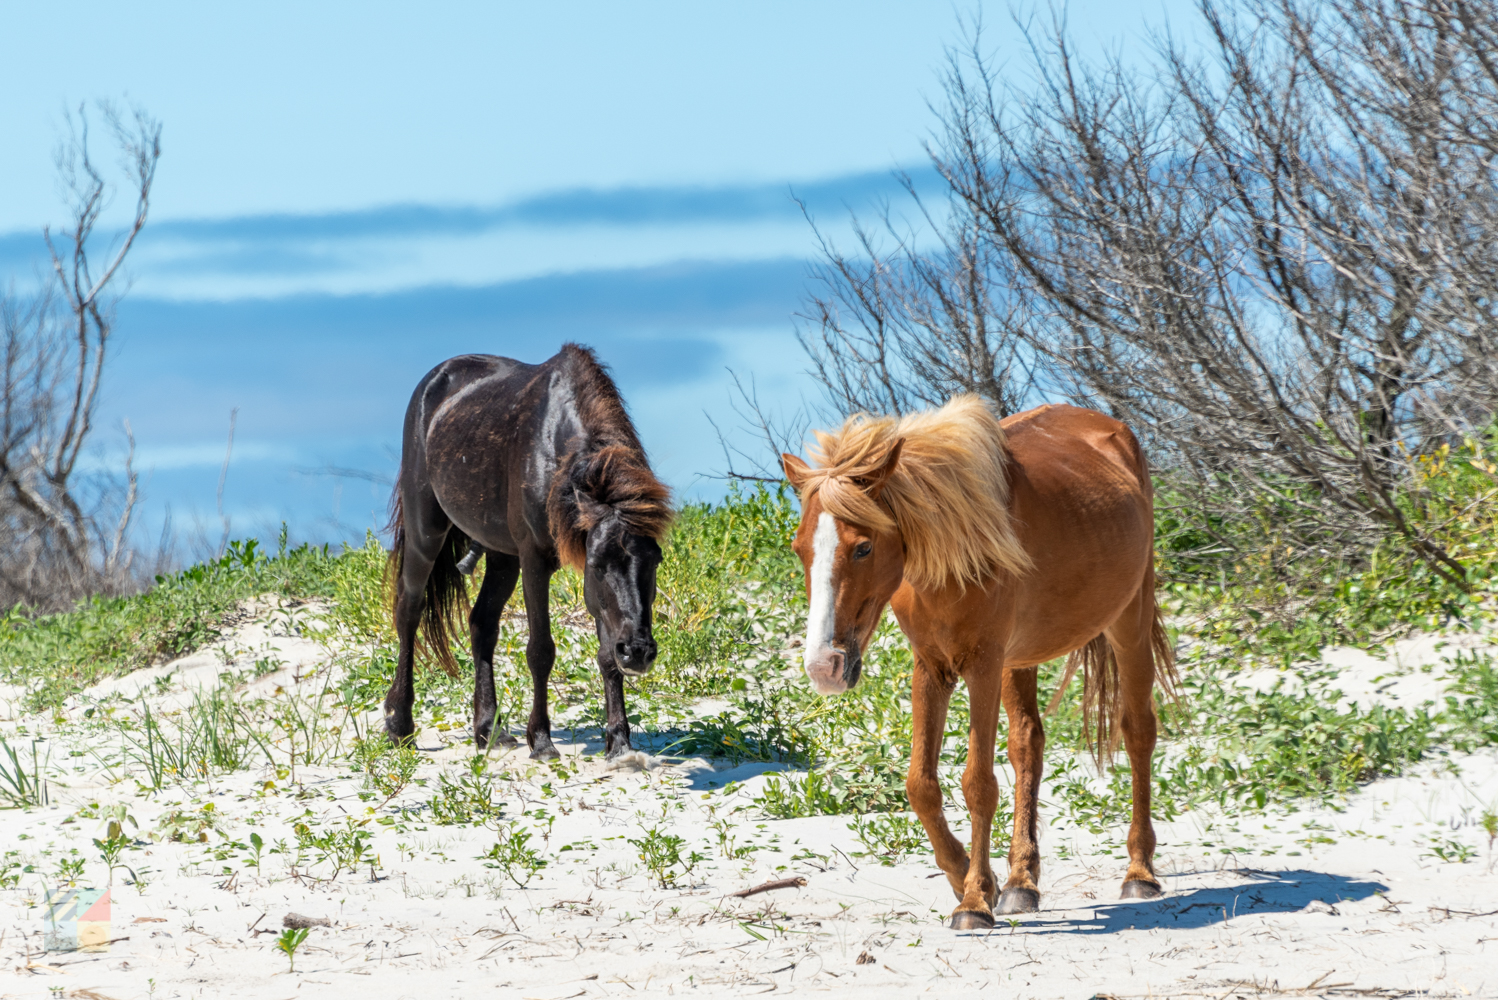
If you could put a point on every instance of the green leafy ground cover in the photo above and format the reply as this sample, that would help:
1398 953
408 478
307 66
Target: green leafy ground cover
51 657
730 603
1254 592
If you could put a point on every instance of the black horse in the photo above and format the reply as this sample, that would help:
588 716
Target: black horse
534 466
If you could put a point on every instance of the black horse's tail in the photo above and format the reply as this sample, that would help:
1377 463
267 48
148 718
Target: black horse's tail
445 605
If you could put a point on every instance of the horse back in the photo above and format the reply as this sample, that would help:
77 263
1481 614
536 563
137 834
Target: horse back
1083 510
1077 456
473 441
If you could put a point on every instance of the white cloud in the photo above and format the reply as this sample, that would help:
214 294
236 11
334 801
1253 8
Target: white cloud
190 456
217 271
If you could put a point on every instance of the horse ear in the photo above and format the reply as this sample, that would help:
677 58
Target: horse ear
873 484
796 471
590 511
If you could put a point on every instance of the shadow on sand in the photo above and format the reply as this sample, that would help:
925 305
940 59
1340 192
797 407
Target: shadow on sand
701 774
1260 892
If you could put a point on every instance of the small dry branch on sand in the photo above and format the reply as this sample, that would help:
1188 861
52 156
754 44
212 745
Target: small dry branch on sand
779 883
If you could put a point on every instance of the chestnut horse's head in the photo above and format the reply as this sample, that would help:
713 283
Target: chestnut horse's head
852 571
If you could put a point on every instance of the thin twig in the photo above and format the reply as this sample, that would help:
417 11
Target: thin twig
223 474
779 883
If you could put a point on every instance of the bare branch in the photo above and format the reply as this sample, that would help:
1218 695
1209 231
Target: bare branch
1279 265
223 475
52 517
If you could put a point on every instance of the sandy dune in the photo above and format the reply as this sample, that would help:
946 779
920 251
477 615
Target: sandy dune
1319 902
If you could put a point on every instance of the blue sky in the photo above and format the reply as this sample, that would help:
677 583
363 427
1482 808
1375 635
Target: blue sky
351 193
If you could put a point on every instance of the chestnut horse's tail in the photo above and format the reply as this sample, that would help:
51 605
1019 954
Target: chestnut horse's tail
446 598
1101 706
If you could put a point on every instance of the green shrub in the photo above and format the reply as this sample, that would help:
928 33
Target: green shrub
513 855
871 781
713 553
661 853
54 656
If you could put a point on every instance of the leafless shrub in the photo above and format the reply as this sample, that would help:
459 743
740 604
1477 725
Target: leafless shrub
1279 264
65 529
770 433
906 328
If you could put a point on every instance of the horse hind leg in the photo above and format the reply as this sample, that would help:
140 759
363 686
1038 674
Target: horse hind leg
501 572
419 551
1140 648
470 559
1027 756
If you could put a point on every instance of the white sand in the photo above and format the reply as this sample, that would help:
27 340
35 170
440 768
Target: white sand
1410 673
1320 902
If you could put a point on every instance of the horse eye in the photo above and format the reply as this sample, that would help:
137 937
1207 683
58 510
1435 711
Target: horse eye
864 548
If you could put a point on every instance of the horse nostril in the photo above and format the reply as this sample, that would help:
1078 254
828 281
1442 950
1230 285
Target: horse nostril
621 650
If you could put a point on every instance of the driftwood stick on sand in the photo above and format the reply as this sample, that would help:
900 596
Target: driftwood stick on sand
297 921
779 883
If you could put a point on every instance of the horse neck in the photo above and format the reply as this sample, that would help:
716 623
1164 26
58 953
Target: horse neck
585 425
575 440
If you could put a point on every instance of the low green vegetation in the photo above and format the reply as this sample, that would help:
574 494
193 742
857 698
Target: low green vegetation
469 799
1252 591
666 857
513 855
51 657
729 614
889 837
21 781
330 851
290 940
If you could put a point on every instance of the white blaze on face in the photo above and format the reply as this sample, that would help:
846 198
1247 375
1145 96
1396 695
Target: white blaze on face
819 621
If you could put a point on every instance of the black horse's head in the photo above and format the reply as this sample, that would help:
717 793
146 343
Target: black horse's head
619 588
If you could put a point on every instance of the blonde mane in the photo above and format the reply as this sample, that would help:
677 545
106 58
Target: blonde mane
948 492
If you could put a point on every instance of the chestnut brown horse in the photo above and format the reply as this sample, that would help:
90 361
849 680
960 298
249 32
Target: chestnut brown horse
532 466
999 545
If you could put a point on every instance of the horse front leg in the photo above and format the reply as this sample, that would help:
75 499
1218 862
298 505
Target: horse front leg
980 789
930 697
1027 755
540 653
500 573
616 726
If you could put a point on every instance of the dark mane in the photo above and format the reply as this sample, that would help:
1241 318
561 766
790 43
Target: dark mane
609 468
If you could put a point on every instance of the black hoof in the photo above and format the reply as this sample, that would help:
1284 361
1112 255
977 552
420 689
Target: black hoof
399 734
487 737
545 752
1136 888
971 920
1019 901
